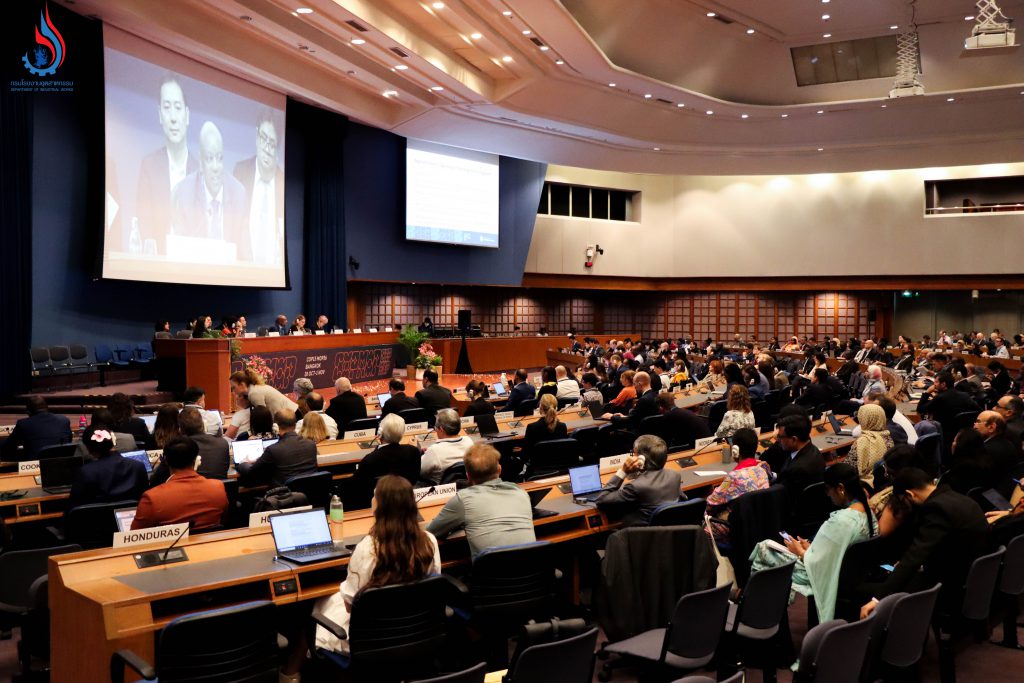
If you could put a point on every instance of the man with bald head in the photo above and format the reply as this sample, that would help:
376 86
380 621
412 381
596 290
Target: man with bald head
567 386
646 404
209 203
1004 456
164 168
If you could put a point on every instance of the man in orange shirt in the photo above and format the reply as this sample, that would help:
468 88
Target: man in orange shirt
186 496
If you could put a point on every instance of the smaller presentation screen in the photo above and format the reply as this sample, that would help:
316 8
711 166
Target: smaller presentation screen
451 195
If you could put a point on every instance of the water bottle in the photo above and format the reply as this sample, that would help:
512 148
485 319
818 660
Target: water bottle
337 518
726 453
82 424
504 380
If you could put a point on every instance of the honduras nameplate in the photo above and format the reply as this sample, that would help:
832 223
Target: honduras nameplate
165 535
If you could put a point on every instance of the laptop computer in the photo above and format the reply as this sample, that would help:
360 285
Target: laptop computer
487 425
585 482
141 457
596 411
536 496
267 443
499 389
124 518
838 428
383 398
246 451
303 537
150 421
56 475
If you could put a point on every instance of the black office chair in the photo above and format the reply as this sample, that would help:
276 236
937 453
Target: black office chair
587 438
755 516
526 408
653 424
899 633
315 485
553 457
565 659
474 674
233 517
1011 587
416 415
34 643
395 632
454 474
715 414
613 441
810 510
973 612
567 401
362 423
929 447
41 365
688 642
236 643
687 512
758 623
93 525
20 569
833 652
66 450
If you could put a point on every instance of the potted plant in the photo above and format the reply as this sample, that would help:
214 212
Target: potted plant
411 338
427 359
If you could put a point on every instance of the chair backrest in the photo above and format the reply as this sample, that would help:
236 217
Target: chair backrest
362 423
811 508
315 485
715 414
929 447
40 357
964 420
163 334
765 598
587 437
513 584
859 559
981 584
415 415
79 354
236 643
474 674
186 334
555 455
102 353
93 525
21 568
526 407
1012 582
60 355
652 424
65 450
613 441
143 352
231 491
570 660
756 516
454 473
567 401
834 652
683 513
395 629
122 353
763 413
901 626
697 624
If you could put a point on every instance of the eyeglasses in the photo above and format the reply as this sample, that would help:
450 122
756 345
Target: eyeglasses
267 141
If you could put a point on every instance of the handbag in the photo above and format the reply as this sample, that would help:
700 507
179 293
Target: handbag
280 498
725 573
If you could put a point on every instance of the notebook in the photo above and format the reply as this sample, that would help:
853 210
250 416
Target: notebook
141 457
124 518
585 482
246 451
838 428
57 474
536 496
304 537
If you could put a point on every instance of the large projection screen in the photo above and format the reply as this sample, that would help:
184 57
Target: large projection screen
451 195
194 171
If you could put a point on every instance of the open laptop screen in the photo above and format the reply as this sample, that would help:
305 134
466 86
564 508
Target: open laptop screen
150 421
383 398
246 451
296 530
487 425
59 471
585 479
124 518
141 457
499 389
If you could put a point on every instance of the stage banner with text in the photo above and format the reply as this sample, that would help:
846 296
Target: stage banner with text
323 366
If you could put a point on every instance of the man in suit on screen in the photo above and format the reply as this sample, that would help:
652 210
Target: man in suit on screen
263 180
164 168
210 204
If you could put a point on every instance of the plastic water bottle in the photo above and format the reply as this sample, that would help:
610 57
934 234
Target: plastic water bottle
337 518
504 380
82 424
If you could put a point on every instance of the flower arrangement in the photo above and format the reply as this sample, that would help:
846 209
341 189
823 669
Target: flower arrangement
427 358
259 366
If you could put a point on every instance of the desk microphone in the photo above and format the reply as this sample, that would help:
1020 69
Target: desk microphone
432 489
517 423
163 559
700 450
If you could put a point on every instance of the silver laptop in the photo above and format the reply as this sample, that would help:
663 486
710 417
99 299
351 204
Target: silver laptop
303 537
585 482
246 451
838 428
383 398
499 389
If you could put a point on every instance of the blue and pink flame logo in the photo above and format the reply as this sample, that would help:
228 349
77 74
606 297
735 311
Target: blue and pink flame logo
49 52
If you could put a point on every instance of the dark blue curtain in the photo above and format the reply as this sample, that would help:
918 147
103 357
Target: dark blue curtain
325 258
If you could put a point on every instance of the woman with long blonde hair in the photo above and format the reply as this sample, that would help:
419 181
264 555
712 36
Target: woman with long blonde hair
548 427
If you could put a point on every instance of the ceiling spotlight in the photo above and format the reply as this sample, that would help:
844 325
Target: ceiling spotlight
544 48
744 116
785 116
358 41
884 106
438 5
821 149
476 36
304 10
527 32
648 96
709 112
824 2
506 59
826 17
506 13
401 67
750 31
969 17
827 35
657 149
680 105
611 85
821 111
559 62
437 88
711 15
893 27
390 93
951 99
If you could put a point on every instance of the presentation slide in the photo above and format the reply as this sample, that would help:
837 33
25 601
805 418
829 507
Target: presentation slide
194 171
451 195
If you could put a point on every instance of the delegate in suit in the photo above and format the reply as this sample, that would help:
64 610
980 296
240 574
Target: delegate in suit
636 499
263 181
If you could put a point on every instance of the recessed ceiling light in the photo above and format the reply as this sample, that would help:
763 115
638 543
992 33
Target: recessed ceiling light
683 105
951 99
294 14
785 116
826 17
611 85
894 27
544 48
712 15
437 88
827 35
401 67
821 149
303 10
506 59
969 17
821 111
390 93
744 116
884 106
648 96
358 41
527 31
824 2
657 149
559 62
476 36
438 5
709 112
750 31
506 13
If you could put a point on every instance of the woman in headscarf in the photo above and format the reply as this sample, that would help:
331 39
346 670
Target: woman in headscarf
872 444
